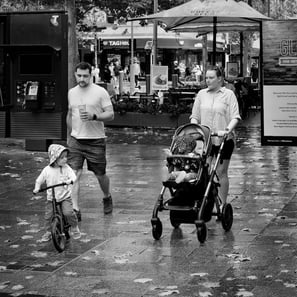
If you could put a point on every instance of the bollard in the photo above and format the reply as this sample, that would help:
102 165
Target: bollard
121 82
174 80
148 83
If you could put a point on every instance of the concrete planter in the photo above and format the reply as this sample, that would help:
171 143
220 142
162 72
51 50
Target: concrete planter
137 119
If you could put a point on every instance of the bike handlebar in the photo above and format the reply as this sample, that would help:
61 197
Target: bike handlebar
54 186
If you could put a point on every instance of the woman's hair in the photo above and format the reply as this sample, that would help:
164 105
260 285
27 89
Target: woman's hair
216 69
84 66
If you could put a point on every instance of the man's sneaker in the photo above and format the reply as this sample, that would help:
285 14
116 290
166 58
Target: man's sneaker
78 214
76 233
107 205
46 237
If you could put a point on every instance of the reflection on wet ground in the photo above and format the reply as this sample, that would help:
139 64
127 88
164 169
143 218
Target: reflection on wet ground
117 255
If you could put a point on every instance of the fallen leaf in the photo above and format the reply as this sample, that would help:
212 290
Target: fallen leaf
244 294
201 274
211 284
171 287
204 294
26 237
70 273
143 280
32 230
38 254
288 285
85 240
36 265
17 287
169 292
100 291
55 263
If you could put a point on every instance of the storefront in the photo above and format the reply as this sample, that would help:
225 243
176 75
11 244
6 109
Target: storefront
116 43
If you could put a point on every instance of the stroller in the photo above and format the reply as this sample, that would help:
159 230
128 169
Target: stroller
193 198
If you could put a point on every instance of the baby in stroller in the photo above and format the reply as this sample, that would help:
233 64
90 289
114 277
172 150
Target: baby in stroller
183 158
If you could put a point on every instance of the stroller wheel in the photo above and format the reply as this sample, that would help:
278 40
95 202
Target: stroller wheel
201 232
173 222
227 216
157 228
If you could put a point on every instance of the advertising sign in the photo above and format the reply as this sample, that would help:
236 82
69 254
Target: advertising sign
279 112
159 77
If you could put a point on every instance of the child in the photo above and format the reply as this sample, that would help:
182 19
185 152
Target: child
184 145
58 171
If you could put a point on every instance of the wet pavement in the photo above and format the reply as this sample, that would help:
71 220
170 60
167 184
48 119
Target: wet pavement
117 255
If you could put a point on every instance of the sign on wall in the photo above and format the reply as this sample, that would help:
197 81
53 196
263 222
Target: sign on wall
159 77
279 110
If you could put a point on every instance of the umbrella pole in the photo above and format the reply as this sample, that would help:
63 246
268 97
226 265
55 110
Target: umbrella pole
214 42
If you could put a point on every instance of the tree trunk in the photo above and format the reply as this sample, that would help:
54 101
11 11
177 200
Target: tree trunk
72 42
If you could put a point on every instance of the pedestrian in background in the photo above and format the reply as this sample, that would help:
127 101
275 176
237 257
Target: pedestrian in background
217 107
177 71
56 172
89 106
136 71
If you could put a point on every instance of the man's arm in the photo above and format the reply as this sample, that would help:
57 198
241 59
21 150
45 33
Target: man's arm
106 115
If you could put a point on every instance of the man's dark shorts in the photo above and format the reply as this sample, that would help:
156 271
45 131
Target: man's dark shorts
92 150
226 152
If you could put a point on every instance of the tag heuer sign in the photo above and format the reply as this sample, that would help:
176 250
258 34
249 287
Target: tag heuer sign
108 44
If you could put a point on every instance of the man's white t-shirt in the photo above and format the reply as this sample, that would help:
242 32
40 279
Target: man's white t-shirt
96 99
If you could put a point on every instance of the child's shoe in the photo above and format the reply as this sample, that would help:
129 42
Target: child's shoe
46 237
76 233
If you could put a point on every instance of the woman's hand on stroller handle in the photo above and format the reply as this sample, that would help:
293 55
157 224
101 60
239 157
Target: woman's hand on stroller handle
68 182
221 133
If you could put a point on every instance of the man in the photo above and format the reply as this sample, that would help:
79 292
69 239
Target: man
89 106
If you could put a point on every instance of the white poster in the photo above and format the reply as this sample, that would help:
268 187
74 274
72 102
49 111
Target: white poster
159 77
280 110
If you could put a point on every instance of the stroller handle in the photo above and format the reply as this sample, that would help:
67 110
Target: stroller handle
215 134
54 186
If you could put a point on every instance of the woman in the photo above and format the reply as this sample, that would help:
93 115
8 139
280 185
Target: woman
217 107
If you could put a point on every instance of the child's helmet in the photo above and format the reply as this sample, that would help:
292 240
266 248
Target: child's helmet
55 151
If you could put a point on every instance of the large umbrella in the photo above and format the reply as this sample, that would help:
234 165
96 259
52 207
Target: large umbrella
208 11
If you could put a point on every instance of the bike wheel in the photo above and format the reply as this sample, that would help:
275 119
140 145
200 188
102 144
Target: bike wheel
227 216
58 236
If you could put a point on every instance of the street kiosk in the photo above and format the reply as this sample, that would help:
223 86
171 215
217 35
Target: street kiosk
33 76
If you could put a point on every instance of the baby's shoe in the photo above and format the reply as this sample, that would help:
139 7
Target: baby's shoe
46 237
76 233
